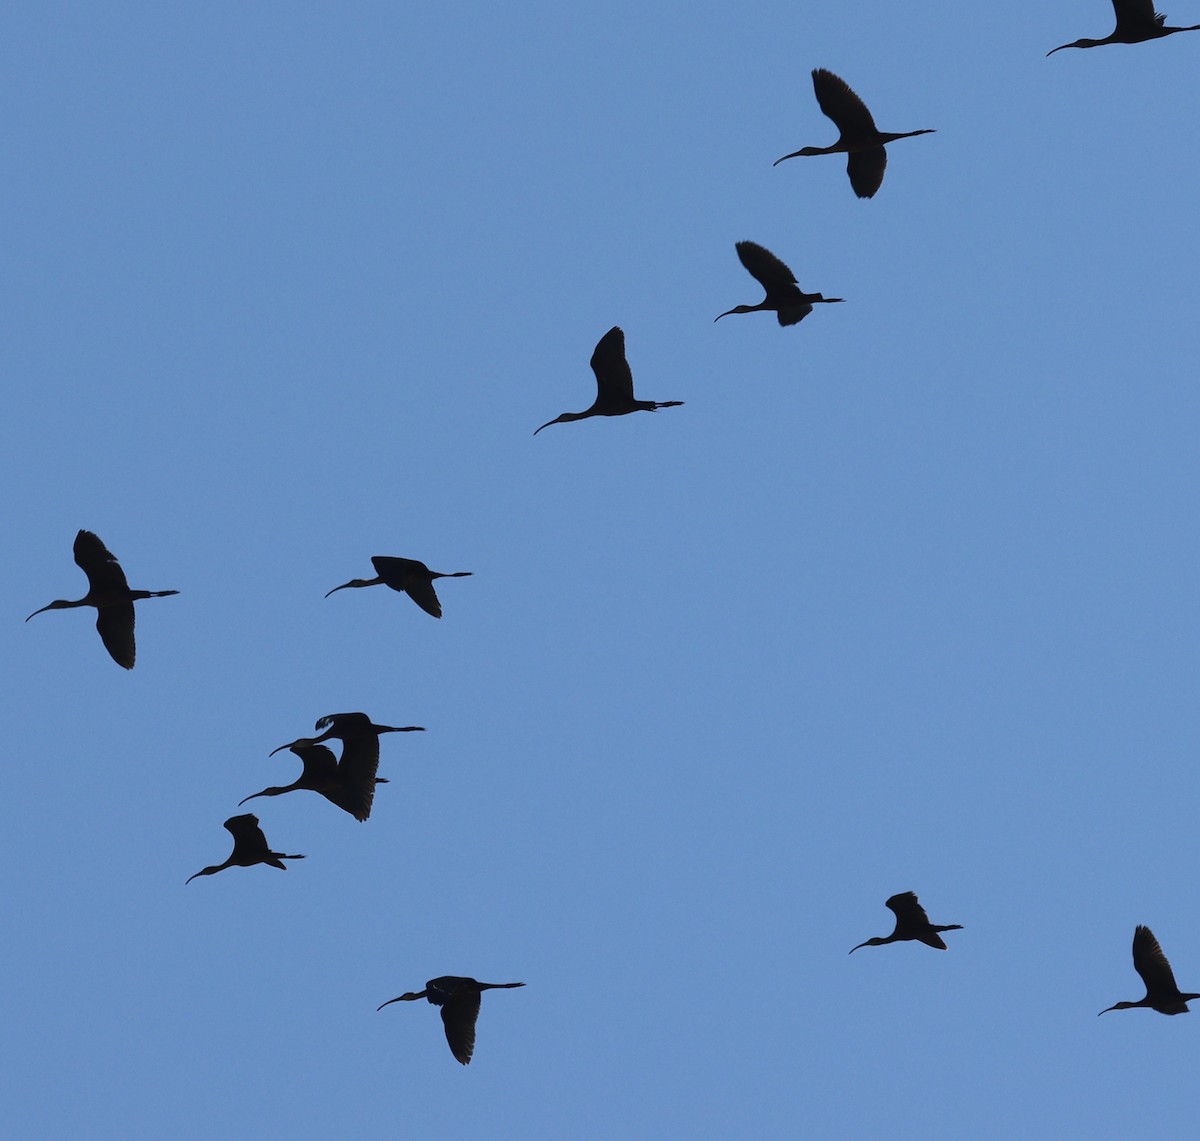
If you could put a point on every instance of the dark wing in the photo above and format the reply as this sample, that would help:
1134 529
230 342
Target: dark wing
421 591
839 103
247 836
907 910
865 169
614 379
1136 15
765 267
795 313
320 765
98 563
115 624
356 775
1150 962
458 1016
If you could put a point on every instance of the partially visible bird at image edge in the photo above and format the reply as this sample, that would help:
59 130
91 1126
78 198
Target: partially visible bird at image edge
1162 993
1137 22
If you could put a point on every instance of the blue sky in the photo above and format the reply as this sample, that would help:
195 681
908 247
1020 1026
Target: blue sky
902 598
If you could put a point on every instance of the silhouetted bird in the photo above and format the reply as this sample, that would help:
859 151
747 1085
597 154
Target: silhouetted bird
109 593
459 1000
407 576
784 296
249 848
1137 21
859 138
911 923
349 784
1161 992
614 384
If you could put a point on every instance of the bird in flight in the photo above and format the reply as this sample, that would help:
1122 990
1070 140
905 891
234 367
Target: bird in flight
911 923
859 137
1137 21
350 783
459 999
109 593
1161 992
789 303
407 576
614 384
249 848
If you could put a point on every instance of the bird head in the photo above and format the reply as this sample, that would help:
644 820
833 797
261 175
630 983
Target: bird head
804 152
1076 44
564 418
878 941
353 582
57 604
409 997
736 309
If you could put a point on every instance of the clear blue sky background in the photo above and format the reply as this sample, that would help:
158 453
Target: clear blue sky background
903 598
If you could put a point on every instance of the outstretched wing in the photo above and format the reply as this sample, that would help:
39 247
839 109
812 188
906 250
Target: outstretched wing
765 267
839 103
907 910
320 765
356 775
421 591
866 169
1150 962
115 625
247 836
98 563
459 1015
1136 15
614 378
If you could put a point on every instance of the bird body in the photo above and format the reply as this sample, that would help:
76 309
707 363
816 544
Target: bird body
109 593
408 576
1137 22
351 786
614 384
911 923
249 848
1162 993
348 783
784 296
859 138
459 999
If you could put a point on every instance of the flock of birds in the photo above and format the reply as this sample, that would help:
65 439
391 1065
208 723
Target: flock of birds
349 781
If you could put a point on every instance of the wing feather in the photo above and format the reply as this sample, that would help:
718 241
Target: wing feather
614 378
115 626
839 103
765 267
